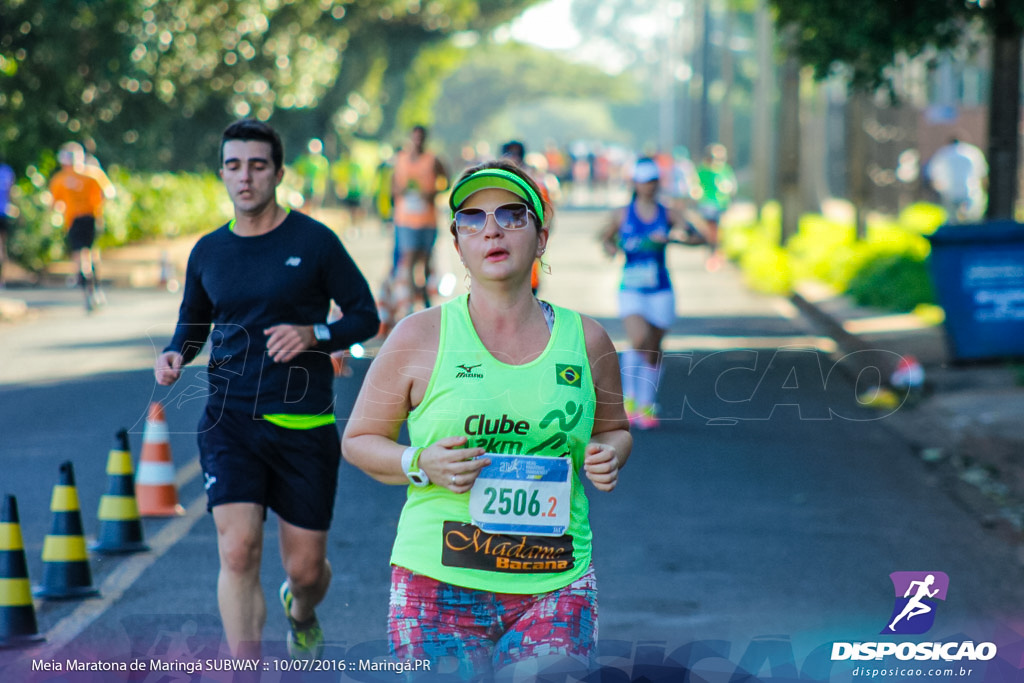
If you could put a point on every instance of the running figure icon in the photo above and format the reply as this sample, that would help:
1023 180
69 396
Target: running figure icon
915 606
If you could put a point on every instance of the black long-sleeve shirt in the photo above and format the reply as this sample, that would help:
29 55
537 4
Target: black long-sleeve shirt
244 285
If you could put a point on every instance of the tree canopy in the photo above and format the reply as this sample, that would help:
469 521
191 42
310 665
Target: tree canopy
497 78
866 36
153 82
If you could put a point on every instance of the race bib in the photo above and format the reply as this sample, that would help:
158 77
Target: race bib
414 202
522 494
643 275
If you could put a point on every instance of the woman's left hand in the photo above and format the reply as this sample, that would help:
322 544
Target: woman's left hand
601 466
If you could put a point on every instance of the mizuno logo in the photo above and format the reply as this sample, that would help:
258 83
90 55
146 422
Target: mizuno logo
468 371
293 261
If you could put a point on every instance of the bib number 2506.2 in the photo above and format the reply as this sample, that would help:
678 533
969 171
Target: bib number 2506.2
522 494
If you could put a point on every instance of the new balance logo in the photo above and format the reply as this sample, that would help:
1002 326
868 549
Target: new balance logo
293 261
468 371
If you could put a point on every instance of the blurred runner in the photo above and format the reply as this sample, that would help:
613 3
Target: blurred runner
78 191
718 187
515 151
647 303
347 174
315 171
957 172
6 219
682 183
418 176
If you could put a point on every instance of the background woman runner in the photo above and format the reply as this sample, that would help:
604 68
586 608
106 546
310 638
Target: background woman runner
647 303
496 371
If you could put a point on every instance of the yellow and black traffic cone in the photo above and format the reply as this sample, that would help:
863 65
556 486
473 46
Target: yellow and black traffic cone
66 571
17 615
120 525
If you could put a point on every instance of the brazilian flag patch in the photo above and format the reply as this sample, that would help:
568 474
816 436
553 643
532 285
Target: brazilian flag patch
569 375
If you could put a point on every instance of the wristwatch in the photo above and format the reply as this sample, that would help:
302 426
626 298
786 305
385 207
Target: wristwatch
411 466
321 333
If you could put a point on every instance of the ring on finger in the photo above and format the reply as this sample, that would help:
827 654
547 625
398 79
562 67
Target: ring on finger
454 482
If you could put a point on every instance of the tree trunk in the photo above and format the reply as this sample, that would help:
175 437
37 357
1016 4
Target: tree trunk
856 159
789 141
814 147
1004 116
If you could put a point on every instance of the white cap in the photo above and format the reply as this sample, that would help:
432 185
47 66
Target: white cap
645 171
70 153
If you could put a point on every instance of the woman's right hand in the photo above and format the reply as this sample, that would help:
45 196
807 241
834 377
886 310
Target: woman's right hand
449 464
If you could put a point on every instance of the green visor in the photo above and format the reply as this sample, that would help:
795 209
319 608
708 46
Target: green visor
495 178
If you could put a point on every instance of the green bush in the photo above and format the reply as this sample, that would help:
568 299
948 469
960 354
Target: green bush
899 282
37 237
887 269
161 205
147 206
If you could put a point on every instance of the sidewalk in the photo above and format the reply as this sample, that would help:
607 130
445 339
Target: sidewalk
965 422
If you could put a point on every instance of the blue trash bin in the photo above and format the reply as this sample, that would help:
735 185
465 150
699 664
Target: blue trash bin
978 273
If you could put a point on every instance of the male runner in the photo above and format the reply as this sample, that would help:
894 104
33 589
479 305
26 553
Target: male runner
78 194
268 438
417 177
718 187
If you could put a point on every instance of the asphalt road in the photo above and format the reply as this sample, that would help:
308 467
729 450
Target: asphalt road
757 526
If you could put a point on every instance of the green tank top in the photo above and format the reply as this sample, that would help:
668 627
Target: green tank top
544 408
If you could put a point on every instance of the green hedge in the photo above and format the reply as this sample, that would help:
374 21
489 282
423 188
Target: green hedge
886 270
147 206
160 205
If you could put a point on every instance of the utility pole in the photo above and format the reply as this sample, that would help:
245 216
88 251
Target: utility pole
701 69
667 122
764 86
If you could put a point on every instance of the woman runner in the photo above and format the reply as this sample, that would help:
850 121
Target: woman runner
509 403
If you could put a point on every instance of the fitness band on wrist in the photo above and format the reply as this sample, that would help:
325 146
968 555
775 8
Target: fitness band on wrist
410 466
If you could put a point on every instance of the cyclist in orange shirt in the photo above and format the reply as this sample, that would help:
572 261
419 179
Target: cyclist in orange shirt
78 194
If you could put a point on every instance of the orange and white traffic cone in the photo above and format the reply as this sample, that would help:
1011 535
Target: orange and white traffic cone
17 615
120 526
66 572
155 490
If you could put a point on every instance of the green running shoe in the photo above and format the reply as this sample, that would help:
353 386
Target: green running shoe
305 639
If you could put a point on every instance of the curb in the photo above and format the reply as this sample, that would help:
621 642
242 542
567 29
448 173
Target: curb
827 323
963 424
857 354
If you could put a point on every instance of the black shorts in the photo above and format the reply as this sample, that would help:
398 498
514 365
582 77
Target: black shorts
82 233
294 472
5 225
